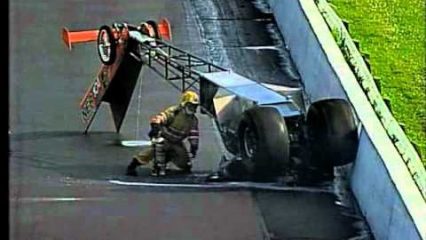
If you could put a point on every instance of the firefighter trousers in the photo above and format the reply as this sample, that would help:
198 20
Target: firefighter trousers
175 152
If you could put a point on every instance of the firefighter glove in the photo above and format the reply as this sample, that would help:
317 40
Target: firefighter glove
155 130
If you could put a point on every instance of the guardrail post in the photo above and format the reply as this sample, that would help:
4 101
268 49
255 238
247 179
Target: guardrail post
366 57
378 83
388 103
346 24
356 43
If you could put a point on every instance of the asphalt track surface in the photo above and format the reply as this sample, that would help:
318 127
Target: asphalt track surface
60 179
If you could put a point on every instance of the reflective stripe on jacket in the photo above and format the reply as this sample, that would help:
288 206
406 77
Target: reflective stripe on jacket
177 125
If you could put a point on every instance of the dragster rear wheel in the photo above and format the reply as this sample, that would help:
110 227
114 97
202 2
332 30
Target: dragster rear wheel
106 45
332 133
264 142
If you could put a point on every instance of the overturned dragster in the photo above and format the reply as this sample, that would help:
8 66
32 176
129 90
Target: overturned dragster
269 129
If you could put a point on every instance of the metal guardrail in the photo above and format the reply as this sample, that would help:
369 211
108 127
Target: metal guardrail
367 82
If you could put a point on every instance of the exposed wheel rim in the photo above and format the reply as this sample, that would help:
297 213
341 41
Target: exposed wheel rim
104 46
249 143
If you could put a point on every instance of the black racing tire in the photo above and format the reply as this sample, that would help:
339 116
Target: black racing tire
264 143
106 45
332 134
154 25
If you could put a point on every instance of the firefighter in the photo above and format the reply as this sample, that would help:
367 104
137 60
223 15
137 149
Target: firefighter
168 131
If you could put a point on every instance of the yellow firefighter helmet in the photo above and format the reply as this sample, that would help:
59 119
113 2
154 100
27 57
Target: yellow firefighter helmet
189 97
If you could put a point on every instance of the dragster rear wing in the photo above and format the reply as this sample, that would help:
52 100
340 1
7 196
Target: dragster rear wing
162 30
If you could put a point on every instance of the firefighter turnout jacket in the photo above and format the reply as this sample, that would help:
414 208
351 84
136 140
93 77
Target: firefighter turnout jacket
176 125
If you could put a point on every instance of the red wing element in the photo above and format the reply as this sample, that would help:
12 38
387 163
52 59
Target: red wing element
114 84
164 29
78 36
92 98
121 89
94 95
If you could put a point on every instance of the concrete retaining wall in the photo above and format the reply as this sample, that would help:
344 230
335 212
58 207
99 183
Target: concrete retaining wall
302 42
385 191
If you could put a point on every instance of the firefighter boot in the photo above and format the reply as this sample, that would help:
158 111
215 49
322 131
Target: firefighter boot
158 170
131 169
188 168
155 170
162 171
160 164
